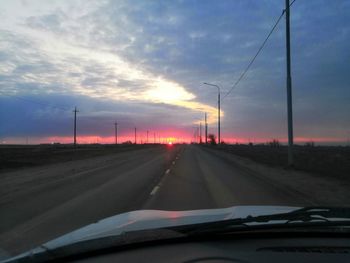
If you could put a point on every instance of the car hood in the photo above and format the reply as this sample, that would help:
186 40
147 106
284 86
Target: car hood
153 219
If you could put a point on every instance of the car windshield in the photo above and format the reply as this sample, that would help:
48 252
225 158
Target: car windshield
109 107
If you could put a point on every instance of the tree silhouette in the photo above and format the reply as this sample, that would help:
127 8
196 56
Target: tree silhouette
212 139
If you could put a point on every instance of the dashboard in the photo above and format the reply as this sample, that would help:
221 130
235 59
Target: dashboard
236 250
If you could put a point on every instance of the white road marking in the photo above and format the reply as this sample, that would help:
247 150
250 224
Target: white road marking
155 189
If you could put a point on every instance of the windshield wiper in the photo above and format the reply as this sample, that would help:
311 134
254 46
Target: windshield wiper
321 216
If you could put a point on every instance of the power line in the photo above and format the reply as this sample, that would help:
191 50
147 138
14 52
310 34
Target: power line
257 53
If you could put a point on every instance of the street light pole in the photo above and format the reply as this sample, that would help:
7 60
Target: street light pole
219 137
219 126
206 129
289 88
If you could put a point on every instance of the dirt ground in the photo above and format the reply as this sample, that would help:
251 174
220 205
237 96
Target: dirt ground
322 160
331 161
19 156
318 189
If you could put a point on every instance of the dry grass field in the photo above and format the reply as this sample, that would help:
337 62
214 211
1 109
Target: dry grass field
19 156
322 160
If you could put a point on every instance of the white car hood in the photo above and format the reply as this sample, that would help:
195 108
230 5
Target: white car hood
154 219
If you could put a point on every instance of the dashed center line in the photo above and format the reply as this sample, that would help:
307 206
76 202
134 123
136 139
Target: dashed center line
155 189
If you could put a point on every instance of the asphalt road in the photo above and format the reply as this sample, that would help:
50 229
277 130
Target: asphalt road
39 204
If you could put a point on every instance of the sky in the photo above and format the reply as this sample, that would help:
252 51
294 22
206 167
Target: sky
143 64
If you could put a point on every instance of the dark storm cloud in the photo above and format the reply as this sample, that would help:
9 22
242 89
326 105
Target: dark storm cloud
50 115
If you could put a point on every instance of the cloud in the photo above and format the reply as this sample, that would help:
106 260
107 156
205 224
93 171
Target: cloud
160 52
50 115
107 78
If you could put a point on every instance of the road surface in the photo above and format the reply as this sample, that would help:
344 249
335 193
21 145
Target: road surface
39 204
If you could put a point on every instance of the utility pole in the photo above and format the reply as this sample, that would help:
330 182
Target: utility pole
219 128
289 88
147 137
219 136
154 138
135 135
206 129
200 132
197 135
75 126
116 132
